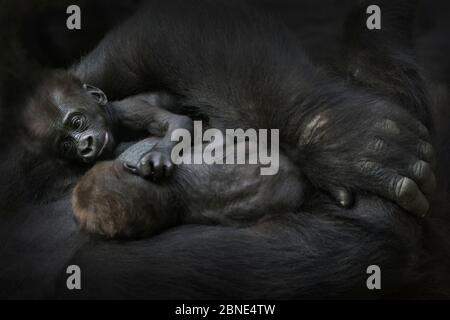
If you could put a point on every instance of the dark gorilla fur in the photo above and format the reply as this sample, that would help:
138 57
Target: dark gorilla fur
322 251
265 83
307 248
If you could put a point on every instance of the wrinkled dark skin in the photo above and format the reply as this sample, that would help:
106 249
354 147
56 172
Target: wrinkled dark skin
68 121
392 156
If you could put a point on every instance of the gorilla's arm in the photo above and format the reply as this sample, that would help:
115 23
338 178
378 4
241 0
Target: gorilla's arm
384 61
237 81
148 112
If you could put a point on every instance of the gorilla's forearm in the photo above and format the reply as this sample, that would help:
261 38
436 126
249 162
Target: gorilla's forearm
149 113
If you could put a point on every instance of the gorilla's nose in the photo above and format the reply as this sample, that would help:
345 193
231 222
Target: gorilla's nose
86 148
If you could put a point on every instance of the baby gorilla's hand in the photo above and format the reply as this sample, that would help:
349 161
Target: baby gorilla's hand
378 148
148 159
153 165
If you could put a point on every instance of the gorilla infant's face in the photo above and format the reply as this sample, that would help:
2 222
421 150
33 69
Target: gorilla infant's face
68 120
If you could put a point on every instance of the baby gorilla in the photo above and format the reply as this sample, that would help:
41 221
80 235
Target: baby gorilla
78 125
112 202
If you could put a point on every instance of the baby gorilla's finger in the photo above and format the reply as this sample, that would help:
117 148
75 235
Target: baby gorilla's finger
153 165
402 190
422 173
342 196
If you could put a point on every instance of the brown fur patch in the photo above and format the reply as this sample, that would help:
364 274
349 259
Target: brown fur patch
113 203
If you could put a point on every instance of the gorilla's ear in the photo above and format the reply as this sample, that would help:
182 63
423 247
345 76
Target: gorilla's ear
98 94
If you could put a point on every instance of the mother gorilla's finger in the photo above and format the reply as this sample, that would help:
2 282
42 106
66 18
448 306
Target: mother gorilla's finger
393 186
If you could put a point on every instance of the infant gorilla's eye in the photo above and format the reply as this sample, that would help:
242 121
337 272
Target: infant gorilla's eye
77 122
